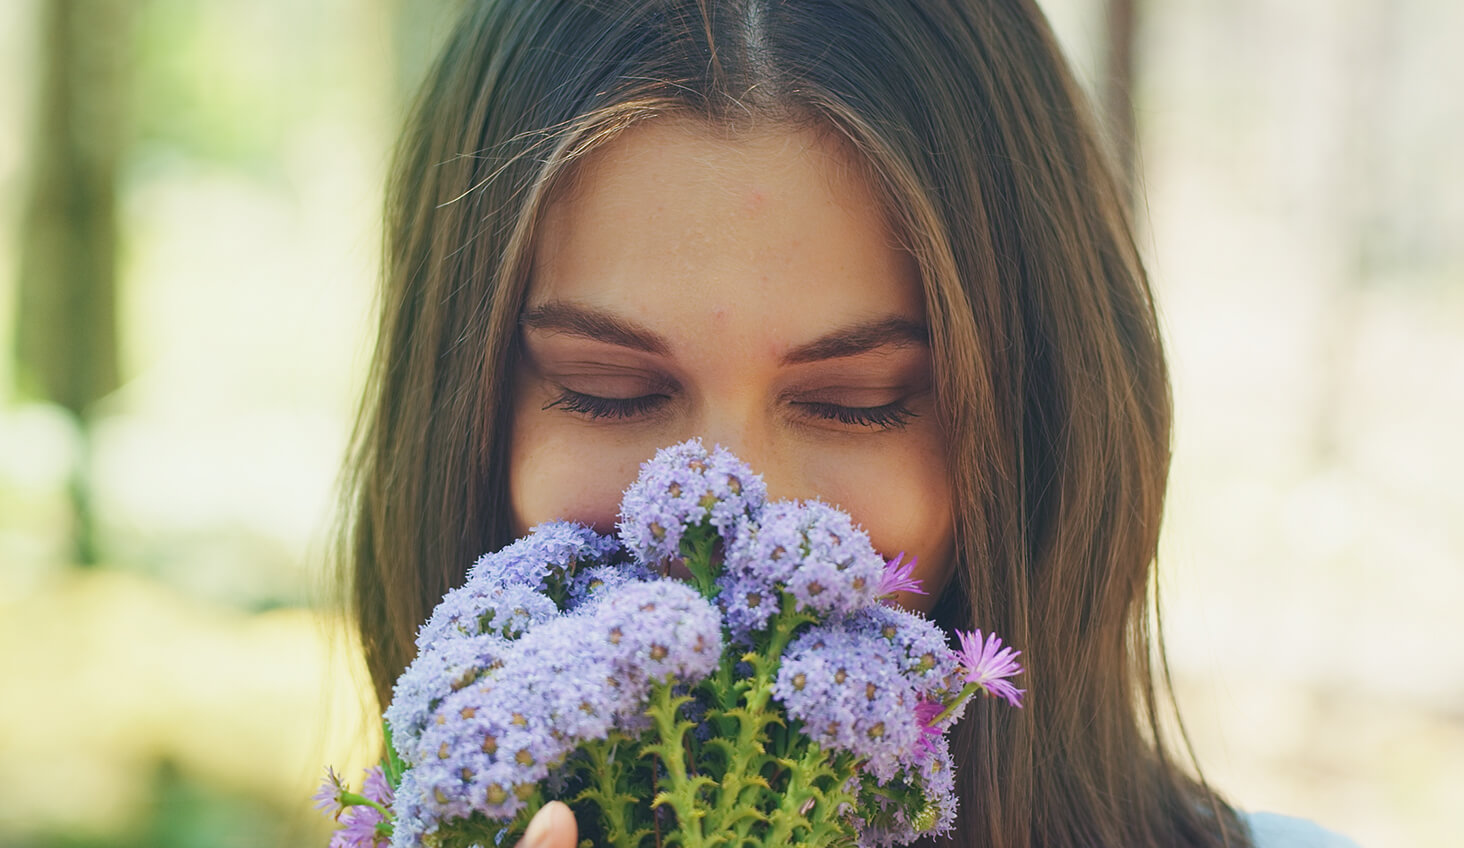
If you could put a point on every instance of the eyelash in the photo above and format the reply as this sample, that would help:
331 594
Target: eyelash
593 406
890 416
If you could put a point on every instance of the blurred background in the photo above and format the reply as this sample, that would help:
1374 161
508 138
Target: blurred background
189 204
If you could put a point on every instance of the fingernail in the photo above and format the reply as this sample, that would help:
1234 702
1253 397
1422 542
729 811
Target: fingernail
538 833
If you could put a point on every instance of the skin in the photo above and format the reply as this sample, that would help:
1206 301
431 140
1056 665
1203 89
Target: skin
746 290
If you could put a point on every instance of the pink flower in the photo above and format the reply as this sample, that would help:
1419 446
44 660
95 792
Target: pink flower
926 712
328 798
987 664
897 577
361 825
377 788
359 830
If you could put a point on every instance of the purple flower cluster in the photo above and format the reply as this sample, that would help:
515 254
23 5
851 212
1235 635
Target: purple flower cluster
591 584
446 667
486 608
658 631
858 684
982 664
682 487
505 686
473 627
847 689
808 549
881 683
919 646
550 551
882 822
411 819
490 742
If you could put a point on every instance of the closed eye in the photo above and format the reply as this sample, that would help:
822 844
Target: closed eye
890 416
595 407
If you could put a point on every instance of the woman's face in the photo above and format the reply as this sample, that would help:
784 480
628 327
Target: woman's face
746 291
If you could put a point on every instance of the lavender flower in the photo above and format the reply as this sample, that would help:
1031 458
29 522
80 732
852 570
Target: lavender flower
410 825
846 686
680 488
591 584
747 601
446 667
359 824
567 681
884 823
920 645
988 663
481 607
660 630
358 829
376 787
489 741
551 553
815 551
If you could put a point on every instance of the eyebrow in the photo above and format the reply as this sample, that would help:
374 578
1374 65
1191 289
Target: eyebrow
860 338
595 325
601 326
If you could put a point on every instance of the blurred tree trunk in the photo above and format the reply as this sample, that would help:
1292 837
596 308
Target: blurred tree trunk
1120 68
67 334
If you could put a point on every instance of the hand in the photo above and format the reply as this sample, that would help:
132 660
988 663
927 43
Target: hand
552 827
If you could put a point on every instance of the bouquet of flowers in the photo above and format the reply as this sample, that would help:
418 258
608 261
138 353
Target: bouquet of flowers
774 696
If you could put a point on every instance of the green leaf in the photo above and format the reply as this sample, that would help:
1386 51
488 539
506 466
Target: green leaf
391 765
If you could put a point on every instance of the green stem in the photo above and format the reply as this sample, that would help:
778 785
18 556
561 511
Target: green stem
606 772
696 554
815 787
961 697
683 792
352 799
391 765
743 781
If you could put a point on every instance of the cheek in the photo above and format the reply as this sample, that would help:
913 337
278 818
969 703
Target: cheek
922 529
904 504
555 476
934 571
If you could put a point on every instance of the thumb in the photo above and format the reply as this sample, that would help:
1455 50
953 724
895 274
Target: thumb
552 827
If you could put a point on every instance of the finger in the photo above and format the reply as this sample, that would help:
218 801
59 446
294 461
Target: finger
552 827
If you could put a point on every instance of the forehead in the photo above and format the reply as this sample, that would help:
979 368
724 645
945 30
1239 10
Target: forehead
672 221
715 154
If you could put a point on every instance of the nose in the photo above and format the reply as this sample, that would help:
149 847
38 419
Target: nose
757 443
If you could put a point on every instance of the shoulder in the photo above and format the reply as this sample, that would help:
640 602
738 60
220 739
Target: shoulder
1269 830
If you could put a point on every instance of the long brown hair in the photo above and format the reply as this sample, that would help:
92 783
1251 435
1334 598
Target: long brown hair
1052 383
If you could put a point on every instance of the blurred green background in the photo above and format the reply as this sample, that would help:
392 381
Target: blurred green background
189 205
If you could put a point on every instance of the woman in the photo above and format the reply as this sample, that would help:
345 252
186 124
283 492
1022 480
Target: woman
871 246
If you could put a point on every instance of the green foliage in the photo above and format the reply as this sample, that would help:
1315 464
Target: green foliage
186 813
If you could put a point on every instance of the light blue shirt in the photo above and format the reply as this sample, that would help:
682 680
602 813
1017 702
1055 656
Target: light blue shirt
1269 830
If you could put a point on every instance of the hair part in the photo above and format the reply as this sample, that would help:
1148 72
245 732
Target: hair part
1052 386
